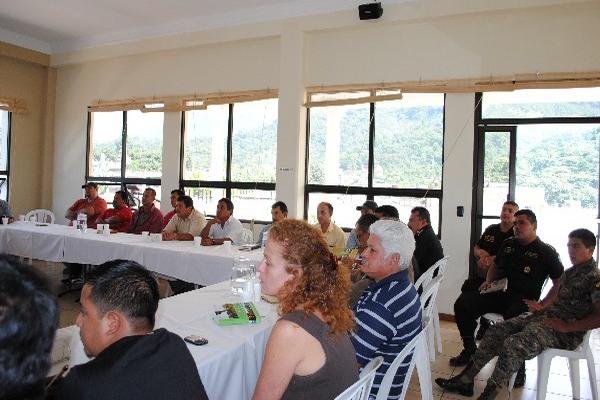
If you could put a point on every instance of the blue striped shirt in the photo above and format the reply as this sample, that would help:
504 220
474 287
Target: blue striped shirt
387 316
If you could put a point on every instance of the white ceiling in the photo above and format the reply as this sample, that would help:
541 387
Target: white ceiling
56 26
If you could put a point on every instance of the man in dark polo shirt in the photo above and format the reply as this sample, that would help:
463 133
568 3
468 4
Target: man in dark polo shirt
428 249
147 217
526 262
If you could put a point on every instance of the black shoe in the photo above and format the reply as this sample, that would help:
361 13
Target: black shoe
489 393
462 359
455 385
520 378
484 324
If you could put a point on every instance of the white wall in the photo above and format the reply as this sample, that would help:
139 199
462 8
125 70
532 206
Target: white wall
416 40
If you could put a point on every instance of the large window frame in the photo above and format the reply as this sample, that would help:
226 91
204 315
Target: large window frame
6 172
370 191
122 181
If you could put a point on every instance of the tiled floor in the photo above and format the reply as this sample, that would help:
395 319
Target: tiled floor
559 386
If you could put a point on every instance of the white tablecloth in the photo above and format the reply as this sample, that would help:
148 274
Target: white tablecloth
228 365
182 260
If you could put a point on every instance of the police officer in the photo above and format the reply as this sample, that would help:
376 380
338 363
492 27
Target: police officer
559 321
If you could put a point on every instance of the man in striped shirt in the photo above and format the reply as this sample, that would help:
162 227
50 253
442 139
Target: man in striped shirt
388 314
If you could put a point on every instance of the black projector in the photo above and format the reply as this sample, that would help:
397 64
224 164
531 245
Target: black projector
370 11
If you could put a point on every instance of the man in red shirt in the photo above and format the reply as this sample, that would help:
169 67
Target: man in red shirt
176 194
92 205
118 217
148 217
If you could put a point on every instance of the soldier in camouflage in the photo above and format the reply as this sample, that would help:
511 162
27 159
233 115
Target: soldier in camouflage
559 321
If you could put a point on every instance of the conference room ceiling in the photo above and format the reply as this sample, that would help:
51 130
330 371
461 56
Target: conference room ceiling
65 25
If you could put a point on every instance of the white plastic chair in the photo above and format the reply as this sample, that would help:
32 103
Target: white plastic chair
428 298
544 360
247 236
40 215
360 389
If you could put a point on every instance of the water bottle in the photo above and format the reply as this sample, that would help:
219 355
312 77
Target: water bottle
241 274
82 222
265 238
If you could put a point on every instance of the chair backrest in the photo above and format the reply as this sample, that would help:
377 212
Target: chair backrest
388 378
40 215
436 269
428 298
360 389
247 236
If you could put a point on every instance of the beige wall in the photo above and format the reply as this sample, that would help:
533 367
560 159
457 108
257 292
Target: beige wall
31 133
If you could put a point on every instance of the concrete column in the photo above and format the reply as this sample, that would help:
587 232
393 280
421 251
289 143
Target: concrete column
170 157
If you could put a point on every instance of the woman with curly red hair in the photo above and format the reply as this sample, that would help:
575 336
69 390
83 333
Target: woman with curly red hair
309 354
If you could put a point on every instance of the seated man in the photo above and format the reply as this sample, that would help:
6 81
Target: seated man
334 235
132 361
368 207
28 321
387 212
526 262
224 227
559 321
119 217
5 211
279 212
175 195
92 205
187 223
147 218
428 249
388 314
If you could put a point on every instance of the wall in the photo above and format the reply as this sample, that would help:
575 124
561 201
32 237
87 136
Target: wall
416 40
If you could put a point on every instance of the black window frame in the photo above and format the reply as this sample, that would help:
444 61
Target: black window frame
371 191
7 170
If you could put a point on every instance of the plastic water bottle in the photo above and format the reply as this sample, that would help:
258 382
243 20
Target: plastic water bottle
265 238
241 274
82 222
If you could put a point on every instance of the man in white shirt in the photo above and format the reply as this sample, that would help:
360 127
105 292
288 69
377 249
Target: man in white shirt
336 239
186 223
224 227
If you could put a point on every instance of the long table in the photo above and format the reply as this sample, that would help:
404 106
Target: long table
60 243
228 365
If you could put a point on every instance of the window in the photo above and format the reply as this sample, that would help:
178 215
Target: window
230 151
4 153
540 148
125 149
387 151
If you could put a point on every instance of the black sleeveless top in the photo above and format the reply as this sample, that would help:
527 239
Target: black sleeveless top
336 375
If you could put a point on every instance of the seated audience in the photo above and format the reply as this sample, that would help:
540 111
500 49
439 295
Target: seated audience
559 321
309 354
92 205
119 217
175 195
334 235
428 249
279 212
387 212
526 262
147 218
388 314
187 223
132 361
28 321
368 207
5 211
224 227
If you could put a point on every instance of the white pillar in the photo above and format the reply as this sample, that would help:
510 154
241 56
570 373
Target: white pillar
170 157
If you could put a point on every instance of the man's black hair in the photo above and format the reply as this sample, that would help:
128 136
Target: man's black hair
122 195
587 237
365 221
281 205
180 193
423 214
227 202
529 214
387 211
151 191
127 287
328 206
28 321
186 200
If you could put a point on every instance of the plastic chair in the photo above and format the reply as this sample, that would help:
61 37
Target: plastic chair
247 236
360 389
544 360
428 298
40 215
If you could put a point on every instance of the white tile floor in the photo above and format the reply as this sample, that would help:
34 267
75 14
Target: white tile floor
559 386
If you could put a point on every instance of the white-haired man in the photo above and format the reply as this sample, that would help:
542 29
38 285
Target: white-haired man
388 314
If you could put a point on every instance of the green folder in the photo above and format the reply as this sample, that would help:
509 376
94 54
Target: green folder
237 314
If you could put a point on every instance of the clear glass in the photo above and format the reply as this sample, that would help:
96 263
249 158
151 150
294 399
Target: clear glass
557 178
405 204
206 199
144 144
241 275
253 204
106 134
4 132
345 214
409 136
535 103
254 141
495 171
339 145
205 143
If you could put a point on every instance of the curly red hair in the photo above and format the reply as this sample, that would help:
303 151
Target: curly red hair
322 285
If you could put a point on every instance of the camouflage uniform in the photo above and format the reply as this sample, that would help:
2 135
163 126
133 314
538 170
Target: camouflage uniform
524 337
